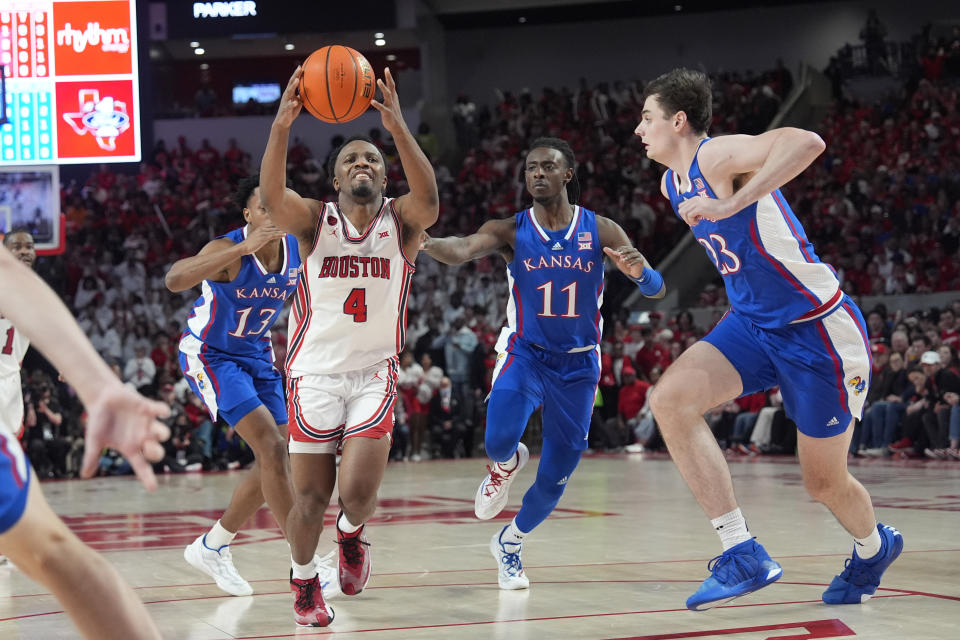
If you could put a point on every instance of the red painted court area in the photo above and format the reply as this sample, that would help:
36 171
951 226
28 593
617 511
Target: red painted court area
809 630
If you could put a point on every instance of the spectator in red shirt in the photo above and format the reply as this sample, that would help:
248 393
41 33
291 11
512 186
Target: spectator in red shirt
619 431
745 411
612 365
633 395
948 328
685 327
162 353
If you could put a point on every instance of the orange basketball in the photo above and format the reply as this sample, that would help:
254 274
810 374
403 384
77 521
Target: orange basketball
337 84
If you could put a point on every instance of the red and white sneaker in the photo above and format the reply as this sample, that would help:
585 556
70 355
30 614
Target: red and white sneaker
492 495
355 560
309 609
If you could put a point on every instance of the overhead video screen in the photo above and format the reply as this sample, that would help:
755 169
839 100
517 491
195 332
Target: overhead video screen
30 199
70 79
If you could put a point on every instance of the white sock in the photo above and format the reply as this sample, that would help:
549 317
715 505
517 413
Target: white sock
512 534
866 548
732 528
344 525
218 537
512 463
303 571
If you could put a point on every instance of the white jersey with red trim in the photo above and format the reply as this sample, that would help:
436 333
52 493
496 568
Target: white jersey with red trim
13 346
350 309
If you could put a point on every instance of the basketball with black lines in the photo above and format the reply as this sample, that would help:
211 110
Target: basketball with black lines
337 84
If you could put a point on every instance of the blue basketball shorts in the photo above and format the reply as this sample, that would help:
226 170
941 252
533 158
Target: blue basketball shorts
564 383
231 386
822 366
14 481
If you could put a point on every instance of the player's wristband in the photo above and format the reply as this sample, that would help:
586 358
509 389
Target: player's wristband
650 282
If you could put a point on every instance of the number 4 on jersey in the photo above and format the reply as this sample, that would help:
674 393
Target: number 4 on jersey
356 305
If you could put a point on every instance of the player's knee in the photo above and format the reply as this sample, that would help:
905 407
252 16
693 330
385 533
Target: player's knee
820 487
312 503
507 414
500 447
271 450
660 399
359 507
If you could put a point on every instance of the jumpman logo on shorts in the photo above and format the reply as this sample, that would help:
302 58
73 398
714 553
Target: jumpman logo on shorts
376 376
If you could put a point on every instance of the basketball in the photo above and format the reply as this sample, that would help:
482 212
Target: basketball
337 84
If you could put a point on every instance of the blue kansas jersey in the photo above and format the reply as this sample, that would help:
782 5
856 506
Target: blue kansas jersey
769 268
556 285
235 317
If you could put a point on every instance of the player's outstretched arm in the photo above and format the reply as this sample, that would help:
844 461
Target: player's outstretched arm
118 416
421 207
628 259
770 160
219 260
287 209
493 235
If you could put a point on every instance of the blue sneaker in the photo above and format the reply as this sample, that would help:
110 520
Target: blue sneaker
860 578
738 571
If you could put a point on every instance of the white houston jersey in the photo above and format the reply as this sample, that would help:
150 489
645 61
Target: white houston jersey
350 309
13 346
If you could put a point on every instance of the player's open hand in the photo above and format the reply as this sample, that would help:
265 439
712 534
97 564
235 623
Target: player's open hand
122 419
290 102
389 108
261 236
628 260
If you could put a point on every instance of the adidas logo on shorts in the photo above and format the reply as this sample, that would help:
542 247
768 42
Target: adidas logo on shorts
833 422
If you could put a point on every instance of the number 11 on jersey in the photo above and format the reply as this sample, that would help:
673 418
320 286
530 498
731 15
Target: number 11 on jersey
570 289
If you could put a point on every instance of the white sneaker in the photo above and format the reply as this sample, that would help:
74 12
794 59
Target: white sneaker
218 565
510 573
492 494
328 574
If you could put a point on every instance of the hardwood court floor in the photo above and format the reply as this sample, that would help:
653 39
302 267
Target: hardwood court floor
615 561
